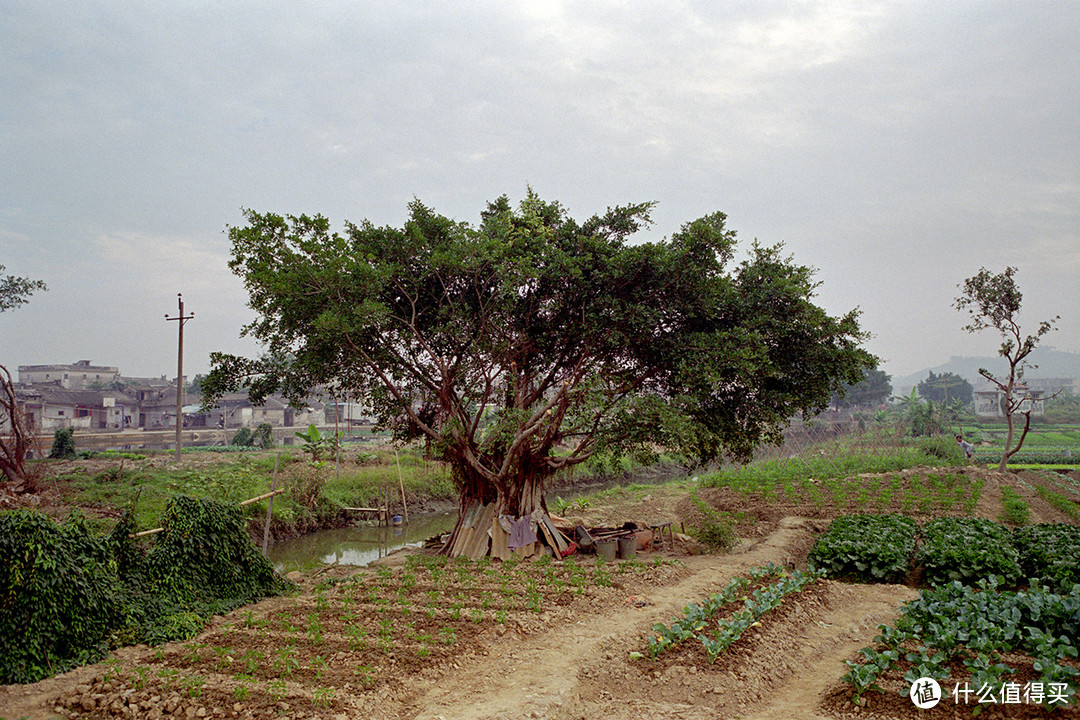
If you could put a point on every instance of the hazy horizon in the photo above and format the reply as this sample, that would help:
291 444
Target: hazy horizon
896 147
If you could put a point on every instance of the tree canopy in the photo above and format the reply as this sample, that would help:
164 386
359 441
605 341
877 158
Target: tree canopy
14 291
533 342
874 388
945 387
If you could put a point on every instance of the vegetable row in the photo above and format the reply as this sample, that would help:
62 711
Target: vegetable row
963 630
886 548
760 591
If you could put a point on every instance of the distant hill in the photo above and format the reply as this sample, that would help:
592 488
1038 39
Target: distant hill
1051 363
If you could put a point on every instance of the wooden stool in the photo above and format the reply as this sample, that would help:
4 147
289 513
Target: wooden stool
658 532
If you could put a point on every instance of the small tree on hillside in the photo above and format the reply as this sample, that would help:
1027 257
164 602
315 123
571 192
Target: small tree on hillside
993 301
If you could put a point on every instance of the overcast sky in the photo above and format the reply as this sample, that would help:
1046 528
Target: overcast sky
896 146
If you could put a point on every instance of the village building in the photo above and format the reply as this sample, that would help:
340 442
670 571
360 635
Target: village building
989 401
76 376
89 397
50 408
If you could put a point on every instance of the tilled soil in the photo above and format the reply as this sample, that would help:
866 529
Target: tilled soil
552 641
571 660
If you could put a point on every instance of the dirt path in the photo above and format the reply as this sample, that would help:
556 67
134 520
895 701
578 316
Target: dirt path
827 643
581 669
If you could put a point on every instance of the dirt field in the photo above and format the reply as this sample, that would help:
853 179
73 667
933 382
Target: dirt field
548 641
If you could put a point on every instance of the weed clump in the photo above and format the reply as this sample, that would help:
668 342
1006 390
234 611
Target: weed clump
714 532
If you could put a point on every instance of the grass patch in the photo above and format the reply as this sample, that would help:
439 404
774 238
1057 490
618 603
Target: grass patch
1015 509
821 465
314 491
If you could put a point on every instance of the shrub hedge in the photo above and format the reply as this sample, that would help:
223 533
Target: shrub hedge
58 597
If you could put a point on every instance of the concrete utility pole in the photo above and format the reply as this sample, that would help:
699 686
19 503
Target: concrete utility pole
181 319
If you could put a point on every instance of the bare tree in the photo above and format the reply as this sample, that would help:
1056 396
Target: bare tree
16 440
993 301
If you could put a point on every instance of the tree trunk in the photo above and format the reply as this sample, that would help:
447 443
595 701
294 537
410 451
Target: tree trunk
1009 449
1004 462
15 442
515 500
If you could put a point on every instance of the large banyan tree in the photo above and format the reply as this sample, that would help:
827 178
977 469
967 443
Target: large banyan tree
531 342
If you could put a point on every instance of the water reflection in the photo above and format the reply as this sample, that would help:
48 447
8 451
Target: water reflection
357 545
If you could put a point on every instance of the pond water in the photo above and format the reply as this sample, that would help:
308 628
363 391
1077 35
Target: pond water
356 545
361 544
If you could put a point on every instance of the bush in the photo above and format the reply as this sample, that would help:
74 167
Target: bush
263 436
206 555
63 447
204 563
716 534
242 437
57 595
941 447
714 531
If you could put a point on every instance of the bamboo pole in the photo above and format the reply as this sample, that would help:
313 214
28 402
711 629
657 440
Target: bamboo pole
264 496
401 484
270 505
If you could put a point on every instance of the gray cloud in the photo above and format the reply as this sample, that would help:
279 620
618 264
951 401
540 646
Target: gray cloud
897 147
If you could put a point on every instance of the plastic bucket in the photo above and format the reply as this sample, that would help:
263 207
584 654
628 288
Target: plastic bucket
628 547
606 549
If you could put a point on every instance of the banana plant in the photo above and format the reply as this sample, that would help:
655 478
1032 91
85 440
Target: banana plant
316 443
